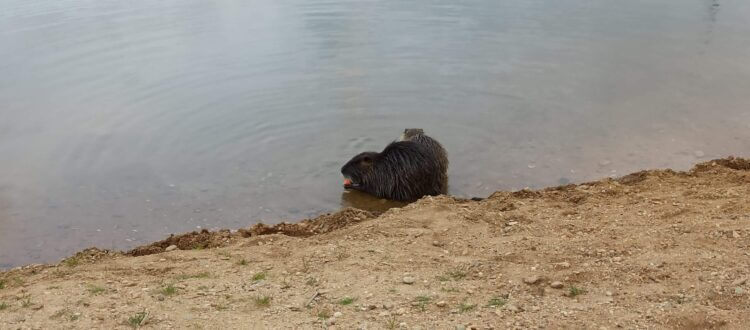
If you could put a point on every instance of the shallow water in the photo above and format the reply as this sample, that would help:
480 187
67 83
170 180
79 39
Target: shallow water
124 121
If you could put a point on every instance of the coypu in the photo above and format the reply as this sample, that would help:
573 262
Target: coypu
414 166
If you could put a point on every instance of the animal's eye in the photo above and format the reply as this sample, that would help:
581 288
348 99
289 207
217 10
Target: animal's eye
366 160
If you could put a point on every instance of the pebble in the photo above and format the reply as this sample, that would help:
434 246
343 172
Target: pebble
171 248
617 259
563 264
441 303
609 293
531 279
739 281
513 308
408 280
338 314
556 285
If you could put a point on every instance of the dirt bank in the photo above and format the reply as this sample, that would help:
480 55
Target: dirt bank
654 249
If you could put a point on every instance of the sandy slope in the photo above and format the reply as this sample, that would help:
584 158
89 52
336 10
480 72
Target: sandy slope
656 249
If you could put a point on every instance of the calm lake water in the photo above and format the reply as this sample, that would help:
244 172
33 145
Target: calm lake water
124 121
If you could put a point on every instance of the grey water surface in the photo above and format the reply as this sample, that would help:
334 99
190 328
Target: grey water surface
124 121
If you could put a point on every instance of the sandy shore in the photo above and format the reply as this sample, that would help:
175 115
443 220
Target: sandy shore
654 249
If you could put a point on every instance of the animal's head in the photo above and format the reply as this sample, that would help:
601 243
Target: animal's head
359 171
411 132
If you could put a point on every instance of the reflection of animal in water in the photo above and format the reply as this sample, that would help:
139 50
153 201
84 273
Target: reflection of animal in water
412 167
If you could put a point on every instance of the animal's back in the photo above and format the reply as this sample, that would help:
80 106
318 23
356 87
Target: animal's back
435 150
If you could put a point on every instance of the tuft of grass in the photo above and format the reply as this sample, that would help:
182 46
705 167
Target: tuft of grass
95 290
464 307
496 302
259 276
305 265
422 302
224 254
455 275
324 314
347 301
2 284
189 276
3 306
71 262
26 302
203 287
242 262
311 281
575 291
262 301
392 323
169 290
137 319
451 290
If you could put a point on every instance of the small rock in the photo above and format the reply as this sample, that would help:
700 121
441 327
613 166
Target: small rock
436 243
460 327
338 314
739 281
556 285
513 308
531 279
617 259
408 280
441 304
609 293
563 264
403 325
735 234
372 307
331 321
384 314
512 223
171 248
